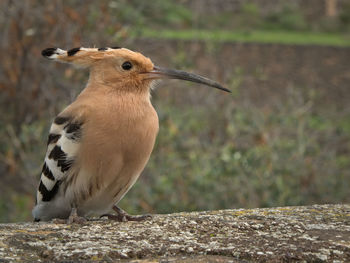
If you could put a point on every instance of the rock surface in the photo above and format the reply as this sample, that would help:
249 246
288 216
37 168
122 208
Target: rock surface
312 233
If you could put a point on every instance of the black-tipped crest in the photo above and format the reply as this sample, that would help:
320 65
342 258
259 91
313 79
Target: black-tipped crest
60 120
72 51
49 51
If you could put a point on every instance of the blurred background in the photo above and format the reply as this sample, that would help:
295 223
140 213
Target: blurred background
281 138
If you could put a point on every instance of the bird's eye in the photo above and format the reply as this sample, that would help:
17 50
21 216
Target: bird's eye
127 65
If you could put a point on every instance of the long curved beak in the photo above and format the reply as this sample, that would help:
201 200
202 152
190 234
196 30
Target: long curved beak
159 73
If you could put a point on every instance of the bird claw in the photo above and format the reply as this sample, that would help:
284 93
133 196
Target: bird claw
126 218
76 219
123 216
59 221
115 217
138 218
73 218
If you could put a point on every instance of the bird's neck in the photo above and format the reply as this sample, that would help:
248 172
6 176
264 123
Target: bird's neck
115 98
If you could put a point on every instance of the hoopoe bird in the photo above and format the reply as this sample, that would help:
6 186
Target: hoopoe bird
98 146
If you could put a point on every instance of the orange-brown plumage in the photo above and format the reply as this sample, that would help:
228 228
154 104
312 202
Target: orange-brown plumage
99 145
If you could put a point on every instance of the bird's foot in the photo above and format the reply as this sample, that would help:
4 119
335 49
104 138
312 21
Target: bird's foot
73 218
59 221
126 218
123 216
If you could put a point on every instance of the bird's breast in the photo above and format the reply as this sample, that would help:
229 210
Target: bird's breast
116 145
126 133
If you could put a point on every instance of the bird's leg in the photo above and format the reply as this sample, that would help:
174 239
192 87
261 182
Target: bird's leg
123 216
74 218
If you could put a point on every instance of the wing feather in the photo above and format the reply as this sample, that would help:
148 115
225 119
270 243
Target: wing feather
62 147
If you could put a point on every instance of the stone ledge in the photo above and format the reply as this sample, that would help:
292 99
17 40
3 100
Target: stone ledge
311 233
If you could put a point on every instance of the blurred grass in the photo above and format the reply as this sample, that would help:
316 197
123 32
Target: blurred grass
237 155
250 158
279 37
222 153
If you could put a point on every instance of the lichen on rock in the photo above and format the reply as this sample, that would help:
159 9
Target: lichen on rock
310 233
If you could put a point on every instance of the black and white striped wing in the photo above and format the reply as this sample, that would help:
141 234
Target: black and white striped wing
62 147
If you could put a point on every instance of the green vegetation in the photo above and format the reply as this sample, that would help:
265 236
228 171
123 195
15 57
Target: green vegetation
287 24
212 152
279 37
285 156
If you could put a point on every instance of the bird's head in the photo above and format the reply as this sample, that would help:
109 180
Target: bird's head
122 68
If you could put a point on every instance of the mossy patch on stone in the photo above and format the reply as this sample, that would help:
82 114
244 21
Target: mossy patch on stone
311 233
